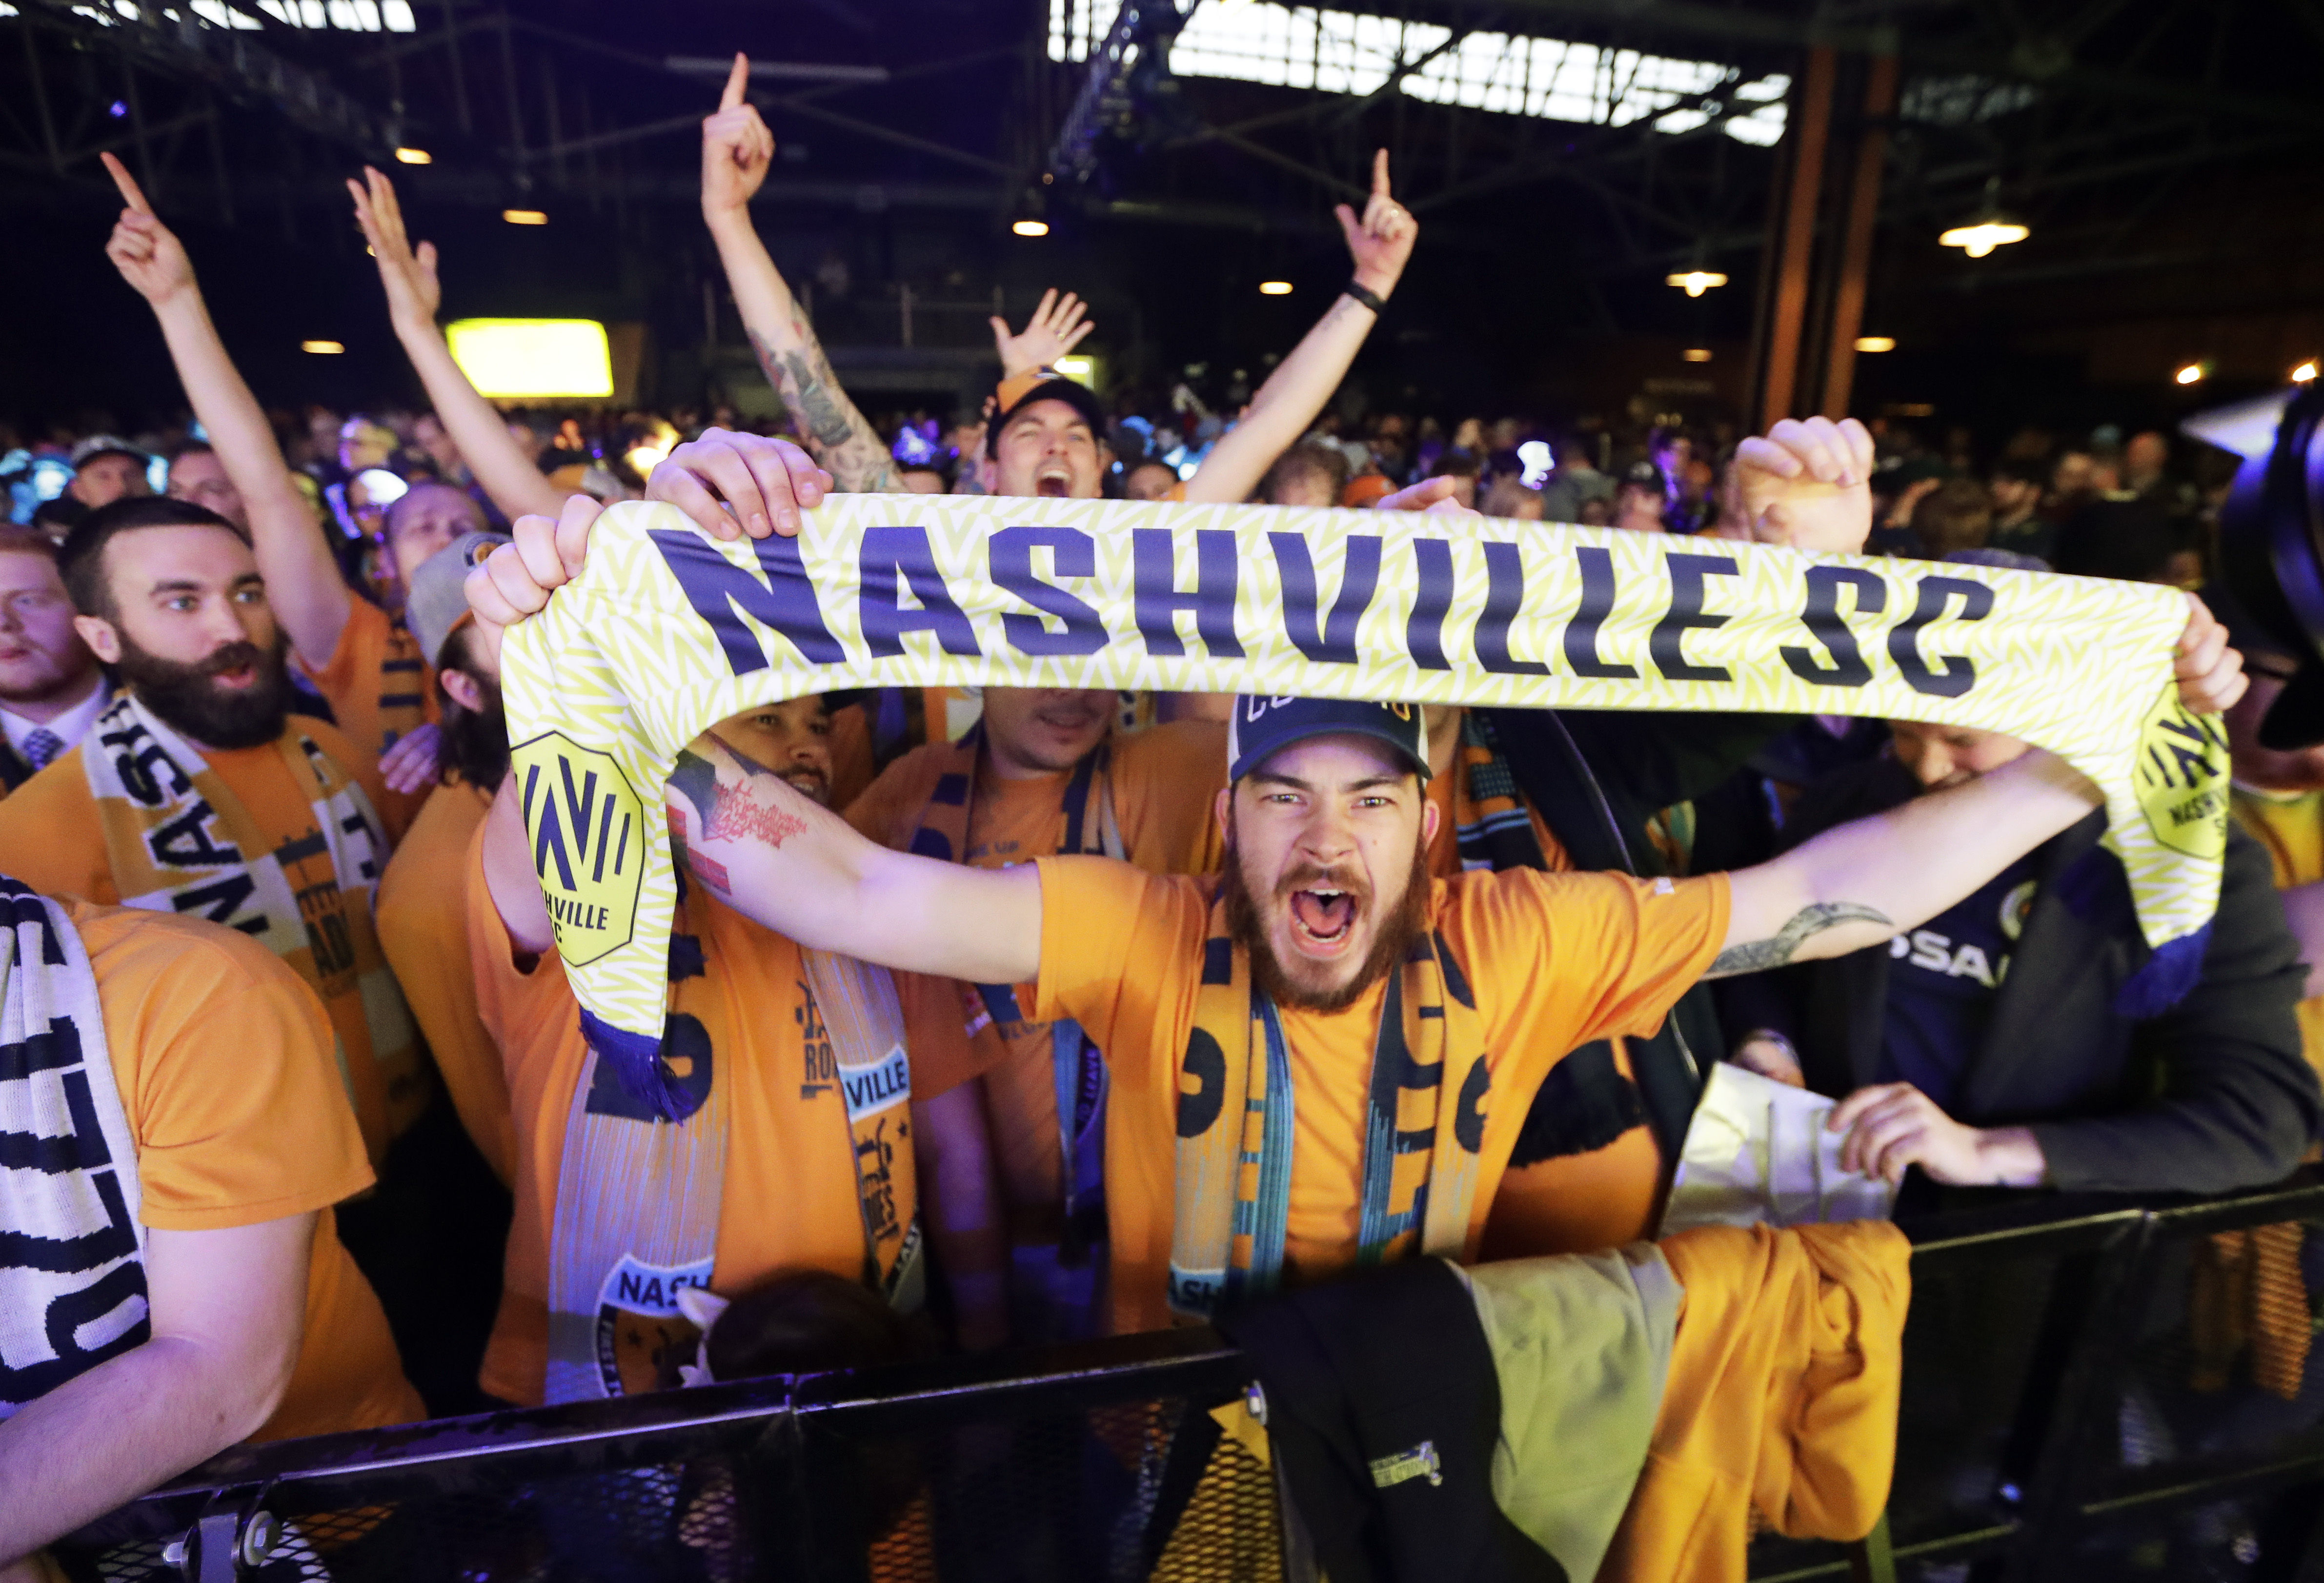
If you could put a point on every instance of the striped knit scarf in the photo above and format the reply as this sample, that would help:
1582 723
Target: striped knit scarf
1425 1126
1491 824
178 841
643 1176
402 686
72 1271
1077 1066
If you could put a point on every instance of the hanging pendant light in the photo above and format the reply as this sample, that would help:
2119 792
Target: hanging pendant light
1990 229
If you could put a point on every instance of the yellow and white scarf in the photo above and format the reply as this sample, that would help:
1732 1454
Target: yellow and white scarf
1423 1126
666 632
643 1173
72 1246
178 841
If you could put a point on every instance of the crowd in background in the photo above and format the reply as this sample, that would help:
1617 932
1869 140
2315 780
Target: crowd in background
320 768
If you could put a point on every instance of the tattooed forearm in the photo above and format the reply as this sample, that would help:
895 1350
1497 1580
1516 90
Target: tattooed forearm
735 815
732 812
1759 955
836 434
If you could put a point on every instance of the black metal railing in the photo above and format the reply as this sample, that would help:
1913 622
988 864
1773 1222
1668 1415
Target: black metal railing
2091 1389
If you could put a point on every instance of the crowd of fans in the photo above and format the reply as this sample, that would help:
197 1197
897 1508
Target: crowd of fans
262 867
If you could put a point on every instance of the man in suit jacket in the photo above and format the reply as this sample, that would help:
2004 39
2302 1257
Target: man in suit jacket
2028 1036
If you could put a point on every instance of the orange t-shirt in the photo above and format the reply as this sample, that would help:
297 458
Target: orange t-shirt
224 1063
853 761
1572 1203
53 834
1555 960
1165 781
423 929
378 689
789 1200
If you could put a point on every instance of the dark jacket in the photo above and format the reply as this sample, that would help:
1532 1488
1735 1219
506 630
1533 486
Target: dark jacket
1597 777
14 769
2208 1095
1384 1409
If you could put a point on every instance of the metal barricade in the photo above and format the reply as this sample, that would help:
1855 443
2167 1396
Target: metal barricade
2093 1390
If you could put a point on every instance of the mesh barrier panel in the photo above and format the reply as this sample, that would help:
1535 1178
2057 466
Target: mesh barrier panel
2124 1397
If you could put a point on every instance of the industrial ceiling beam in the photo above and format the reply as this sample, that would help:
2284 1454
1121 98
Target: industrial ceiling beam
226 60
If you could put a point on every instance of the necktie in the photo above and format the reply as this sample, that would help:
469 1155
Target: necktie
42 745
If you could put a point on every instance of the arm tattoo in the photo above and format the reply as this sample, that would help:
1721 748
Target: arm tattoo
836 434
728 813
1759 955
737 816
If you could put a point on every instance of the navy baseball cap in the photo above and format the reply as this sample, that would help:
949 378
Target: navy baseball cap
1261 727
1014 396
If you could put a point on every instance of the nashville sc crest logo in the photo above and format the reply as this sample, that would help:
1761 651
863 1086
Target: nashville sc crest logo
588 831
2181 777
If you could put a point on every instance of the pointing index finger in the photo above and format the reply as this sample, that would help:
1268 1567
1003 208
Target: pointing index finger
736 81
1380 175
131 194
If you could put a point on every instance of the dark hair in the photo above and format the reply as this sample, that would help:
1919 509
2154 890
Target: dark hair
193 448
81 560
2020 469
475 741
1454 464
1310 456
1957 515
17 541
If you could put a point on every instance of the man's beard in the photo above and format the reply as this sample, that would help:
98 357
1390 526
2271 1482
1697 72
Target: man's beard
188 701
1393 942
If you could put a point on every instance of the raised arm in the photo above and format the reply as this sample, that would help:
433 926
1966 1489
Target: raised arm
803 871
773 855
1058 325
303 584
413 294
1380 243
736 149
1861 884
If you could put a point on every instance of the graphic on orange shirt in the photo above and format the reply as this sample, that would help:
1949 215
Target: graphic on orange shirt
1164 783
1554 960
788 1137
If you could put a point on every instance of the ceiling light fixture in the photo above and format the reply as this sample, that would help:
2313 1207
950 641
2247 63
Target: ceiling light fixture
414 156
1695 355
1274 288
1989 229
1030 228
1694 282
524 216
323 348
2304 372
2190 374
1876 343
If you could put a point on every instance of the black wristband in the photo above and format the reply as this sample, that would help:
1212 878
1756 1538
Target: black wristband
1365 295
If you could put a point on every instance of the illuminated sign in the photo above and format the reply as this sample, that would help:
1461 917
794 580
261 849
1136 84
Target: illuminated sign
533 356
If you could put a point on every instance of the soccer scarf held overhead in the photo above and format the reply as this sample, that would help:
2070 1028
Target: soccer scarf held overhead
72 1248
178 841
666 632
1424 1128
1076 1065
643 1174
